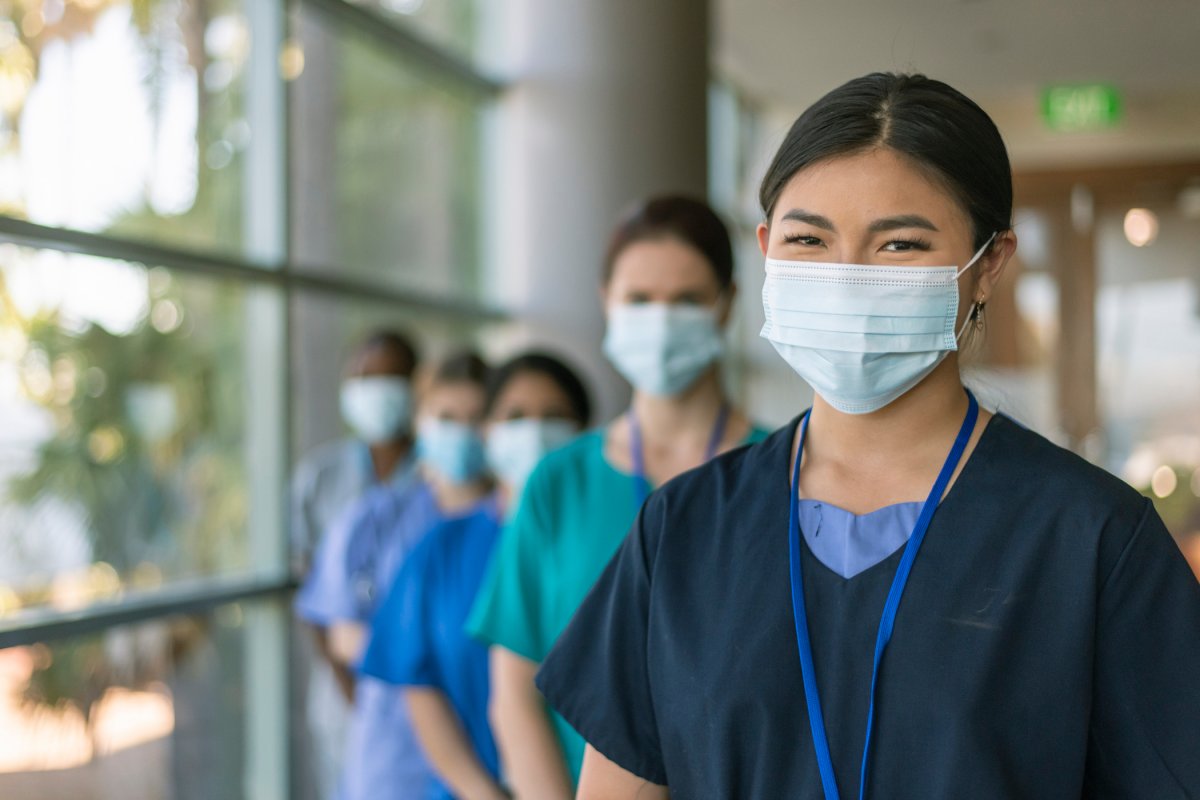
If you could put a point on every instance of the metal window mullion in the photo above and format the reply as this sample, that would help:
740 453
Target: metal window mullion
48 625
29 234
415 48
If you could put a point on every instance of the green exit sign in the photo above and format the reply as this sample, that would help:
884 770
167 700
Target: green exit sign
1081 107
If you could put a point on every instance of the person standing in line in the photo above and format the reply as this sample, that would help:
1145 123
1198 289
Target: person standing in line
898 595
535 404
667 292
376 401
360 557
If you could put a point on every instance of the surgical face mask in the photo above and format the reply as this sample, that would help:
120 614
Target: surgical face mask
378 408
662 348
862 335
515 447
453 450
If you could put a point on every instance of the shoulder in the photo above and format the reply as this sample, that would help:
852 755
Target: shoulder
580 454
736 487
328 457
1017 464
733 470
569 467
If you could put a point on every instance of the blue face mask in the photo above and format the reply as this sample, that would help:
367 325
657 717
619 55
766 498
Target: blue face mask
662 348
862 335
453 450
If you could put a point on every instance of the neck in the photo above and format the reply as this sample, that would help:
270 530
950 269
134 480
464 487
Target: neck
918 422
387 456
454 497
688 414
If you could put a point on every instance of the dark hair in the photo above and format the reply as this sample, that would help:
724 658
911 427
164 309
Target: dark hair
940 129
463 367
675 216
554 369
394 342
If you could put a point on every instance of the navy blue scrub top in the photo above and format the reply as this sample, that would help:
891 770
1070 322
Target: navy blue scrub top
1047 645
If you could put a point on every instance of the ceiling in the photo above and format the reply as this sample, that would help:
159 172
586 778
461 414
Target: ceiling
787 53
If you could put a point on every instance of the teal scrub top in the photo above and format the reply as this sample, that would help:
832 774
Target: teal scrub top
574 514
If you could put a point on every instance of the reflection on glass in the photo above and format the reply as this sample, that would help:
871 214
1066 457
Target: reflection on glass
125 117
123 414
386 165
155 711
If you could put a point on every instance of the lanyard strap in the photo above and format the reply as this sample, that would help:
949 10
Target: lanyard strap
887 622
641 485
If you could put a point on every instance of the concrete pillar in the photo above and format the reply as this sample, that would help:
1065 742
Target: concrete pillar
1074 248
608 104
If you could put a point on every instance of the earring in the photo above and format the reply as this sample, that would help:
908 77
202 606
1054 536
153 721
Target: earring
980 305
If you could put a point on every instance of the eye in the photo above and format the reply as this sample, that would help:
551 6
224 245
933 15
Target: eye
637 298
907 245
802 239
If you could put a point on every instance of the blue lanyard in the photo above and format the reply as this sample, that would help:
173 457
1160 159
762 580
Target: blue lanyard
641 486
811 695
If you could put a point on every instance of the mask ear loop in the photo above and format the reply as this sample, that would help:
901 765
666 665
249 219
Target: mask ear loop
978 254
975 315
977 307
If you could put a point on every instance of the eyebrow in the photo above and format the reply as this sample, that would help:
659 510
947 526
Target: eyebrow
902 221
816 220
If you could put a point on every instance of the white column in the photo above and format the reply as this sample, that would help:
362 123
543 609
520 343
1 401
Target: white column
608 105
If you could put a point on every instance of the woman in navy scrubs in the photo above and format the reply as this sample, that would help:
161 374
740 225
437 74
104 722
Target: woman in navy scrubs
899 595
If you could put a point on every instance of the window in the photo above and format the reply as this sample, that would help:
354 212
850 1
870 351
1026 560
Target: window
203 203
129 119
386 164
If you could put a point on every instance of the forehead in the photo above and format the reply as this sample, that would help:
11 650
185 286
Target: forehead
870 185
380 359
661 263
453 392
530 386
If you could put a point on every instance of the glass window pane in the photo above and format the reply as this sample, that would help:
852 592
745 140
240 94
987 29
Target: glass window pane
127 118
137 423
454 24
386 166
161 710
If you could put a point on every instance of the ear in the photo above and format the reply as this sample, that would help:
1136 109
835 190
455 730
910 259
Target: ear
764 237
992 263
727 310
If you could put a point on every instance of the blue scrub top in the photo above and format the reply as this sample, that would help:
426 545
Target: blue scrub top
356 563
417 638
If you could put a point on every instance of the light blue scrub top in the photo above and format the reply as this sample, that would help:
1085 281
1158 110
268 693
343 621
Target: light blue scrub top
330 479
355 565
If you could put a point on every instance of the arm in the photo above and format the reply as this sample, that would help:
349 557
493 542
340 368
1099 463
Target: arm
344 677
447 747
601 779
1146 699
529 750
346 641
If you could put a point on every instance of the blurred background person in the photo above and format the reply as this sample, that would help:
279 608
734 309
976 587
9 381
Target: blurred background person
359 560
667 291
536 403
376 402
